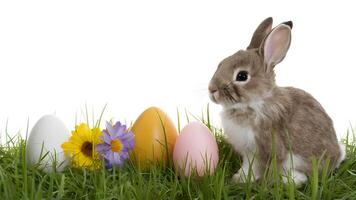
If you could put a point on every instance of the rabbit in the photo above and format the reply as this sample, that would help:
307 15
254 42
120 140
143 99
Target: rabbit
261 119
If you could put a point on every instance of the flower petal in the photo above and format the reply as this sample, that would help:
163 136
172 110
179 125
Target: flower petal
114 135
117 160
70 148
125 135
124 154
110 128
102 148
128 140
95 136
117 125
108 164
106 137
109 155
83 131
121 131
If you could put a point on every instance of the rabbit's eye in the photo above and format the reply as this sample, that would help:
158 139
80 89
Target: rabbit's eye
242 76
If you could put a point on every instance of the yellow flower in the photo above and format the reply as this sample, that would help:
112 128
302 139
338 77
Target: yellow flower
81 147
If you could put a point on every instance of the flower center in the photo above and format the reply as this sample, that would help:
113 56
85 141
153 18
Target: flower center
87 149
116 145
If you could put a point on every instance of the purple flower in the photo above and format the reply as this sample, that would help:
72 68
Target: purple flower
117 142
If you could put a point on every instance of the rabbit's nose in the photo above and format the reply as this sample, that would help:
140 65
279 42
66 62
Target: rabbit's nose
213 93
214 96
213 89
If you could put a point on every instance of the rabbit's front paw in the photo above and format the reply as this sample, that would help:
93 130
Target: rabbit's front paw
242 177
239 177
297 177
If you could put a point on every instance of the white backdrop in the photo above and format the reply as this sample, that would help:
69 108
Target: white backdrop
57 56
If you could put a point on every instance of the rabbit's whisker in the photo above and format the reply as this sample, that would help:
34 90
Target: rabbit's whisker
228 94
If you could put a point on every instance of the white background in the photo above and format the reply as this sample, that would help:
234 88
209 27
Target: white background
57 56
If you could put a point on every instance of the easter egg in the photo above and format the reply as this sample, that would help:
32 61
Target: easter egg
196 150
43 146
155 136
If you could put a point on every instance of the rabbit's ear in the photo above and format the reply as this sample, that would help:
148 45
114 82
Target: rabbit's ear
260 33
276 44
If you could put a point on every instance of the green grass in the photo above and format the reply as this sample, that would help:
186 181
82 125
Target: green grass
19 181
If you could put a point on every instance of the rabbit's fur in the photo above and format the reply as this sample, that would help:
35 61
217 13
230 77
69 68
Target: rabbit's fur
259 116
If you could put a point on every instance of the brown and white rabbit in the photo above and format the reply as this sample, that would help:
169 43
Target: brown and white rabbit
259 116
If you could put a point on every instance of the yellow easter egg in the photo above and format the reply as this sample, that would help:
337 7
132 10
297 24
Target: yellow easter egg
155 136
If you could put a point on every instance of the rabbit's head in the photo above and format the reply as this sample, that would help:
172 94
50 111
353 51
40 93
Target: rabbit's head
249 74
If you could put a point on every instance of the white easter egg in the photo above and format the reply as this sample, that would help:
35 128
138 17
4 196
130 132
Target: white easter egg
44 144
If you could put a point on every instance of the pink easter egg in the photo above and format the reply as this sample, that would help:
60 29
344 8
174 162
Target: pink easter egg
195 150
